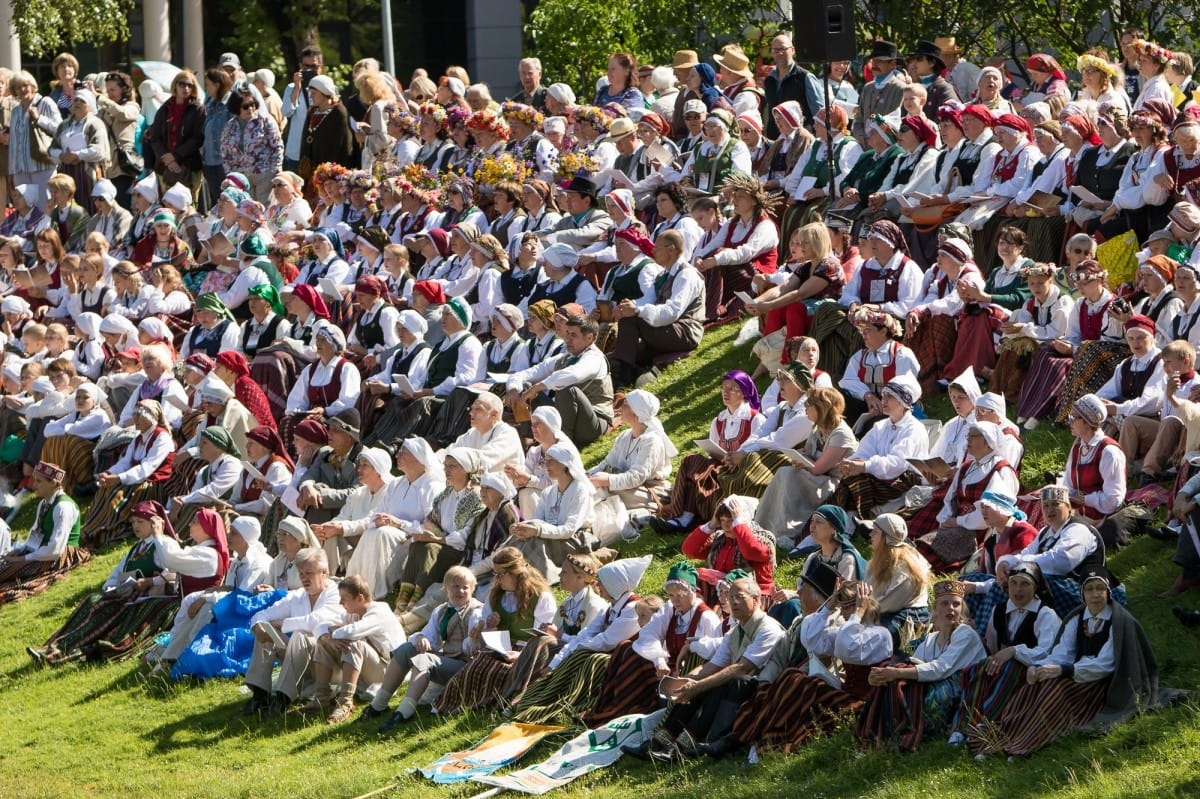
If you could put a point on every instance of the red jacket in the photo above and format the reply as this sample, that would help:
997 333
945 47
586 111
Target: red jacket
741 548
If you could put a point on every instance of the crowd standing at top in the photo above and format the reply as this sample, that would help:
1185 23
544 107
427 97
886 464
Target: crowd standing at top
320 348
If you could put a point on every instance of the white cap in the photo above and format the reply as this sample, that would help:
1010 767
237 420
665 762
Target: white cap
324 85
178 197
695 107
229 60
105 190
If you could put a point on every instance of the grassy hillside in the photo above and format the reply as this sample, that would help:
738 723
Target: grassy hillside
106 731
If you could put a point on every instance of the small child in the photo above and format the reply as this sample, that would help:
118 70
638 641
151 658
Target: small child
646 608
366 630
435 654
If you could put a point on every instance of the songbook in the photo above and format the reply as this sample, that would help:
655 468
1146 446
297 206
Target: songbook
713 450
935 466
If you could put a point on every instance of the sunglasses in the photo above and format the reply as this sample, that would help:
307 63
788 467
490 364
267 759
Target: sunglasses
1078 251
691 116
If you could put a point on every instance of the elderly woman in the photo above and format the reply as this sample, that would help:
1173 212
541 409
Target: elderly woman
1095 338
71 439
142 593
638 465
1142 201
218 476
882 359
696 482
630 684
136 476
960 522
81 145
796 490
562 518
327 386
1095 472
732 540
1099 673
328 138
929 684
932 323
440 543
808 183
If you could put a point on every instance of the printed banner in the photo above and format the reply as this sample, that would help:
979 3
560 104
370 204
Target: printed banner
506 744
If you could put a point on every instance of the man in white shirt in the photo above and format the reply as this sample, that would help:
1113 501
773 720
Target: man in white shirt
497 440
579 382
285 632
651 334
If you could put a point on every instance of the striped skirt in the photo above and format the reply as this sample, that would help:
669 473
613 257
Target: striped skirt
1045 381
789 712
109 626
1093 365
275 371
1013 358
25 578
948 548
984 697
630 686
566 692
862 493
899 713
183 476
753 476
696 485
136 626
721 284
74 455
1044 237
1037 715
480 684
838 338
107 519
530 665
933 342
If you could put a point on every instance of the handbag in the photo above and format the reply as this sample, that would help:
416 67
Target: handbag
39 144
928 218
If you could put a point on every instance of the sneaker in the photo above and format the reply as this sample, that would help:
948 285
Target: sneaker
1031 423
957 739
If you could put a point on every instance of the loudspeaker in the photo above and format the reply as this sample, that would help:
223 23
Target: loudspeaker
824 30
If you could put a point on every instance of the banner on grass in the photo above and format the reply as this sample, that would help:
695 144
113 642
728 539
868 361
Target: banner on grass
505 745
592 750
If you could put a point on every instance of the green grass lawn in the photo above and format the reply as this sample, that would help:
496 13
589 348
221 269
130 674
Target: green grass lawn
104 730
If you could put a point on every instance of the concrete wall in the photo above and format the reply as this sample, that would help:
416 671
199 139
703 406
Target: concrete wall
494 44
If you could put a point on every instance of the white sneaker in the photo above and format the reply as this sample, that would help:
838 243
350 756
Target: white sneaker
1031 423
957 739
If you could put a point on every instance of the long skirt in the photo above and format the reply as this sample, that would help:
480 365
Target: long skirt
108 518
427 563
566 692
837 337
1014 356
105 624
74 455
1093 365
402 418
1046 379
797 215
630 686
790 711
1044 237
906 625
899 713
695 488
984 697
188 427
530 665
25 578
753 476
480 684
948 548
721 283
275 371
862 493
454 418
933 343
1037 715
183 476
975 345
923 520
790 499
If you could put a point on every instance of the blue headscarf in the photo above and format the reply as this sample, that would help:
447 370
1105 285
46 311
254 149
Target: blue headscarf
334 240
708 85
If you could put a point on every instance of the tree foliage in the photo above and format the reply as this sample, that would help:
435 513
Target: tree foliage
573 38
47 27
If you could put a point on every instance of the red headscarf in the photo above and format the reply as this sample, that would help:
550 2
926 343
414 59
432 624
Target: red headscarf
432 291
1045 63
235 362
269 438
952 114
214 527
923 128
309 296
1084 127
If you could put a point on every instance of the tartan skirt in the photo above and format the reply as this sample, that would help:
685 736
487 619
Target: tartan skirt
566 692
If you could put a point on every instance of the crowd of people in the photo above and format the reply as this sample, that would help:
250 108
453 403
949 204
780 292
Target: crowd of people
315 350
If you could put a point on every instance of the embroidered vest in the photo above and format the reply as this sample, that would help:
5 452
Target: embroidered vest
1091 325
324 396
1086 477
879 375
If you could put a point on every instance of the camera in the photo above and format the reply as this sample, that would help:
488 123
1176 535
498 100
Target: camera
80 84
306 76
1121 305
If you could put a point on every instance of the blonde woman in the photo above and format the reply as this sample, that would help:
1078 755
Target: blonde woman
900 579
372 131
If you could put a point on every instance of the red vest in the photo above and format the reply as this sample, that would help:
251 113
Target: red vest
190 585
1005 168
766 262
675 641
887 372
1086 477
891 282
729 444
854 678
250 491
164 469
326 395
965 496
1092 325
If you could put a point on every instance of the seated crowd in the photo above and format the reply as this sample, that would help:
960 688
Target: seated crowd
343 374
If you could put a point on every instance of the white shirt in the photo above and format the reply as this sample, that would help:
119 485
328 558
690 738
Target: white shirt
1064 549
762 643
417 367
634 462
860 644
687 287
387 316
1003 481
239 290
215 480
605 631
200 560
1056 310
299 613
149 451
231 339
760 235
1045 628
378 626
590 365
1150 401
786 428
320 373
469 368
937 660
35 547
904 271
1111 495
651 642
906 364
558 515
500 445
90 426
1086 669
887 446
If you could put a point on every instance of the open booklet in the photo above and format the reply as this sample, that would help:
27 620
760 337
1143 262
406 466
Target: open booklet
497 641
1088 196
1042 201
935 466
713 450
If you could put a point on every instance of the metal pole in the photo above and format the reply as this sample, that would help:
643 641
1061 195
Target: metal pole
389 50
828 138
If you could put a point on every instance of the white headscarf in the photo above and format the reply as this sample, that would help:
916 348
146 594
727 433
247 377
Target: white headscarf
380 460
645 406
87 324
419 448
549 416
566 454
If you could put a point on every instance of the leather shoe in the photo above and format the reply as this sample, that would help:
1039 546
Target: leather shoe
666 526
369 712
1168 534
394 723
1188 618
719 748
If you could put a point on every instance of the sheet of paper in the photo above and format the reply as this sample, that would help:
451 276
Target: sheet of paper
498 641
253 471
712 449
329 289
406 387
806 183
1087 195
796 456
291 500
743 296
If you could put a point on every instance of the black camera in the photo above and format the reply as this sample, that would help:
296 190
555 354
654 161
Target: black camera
1121 305
80 84
306 76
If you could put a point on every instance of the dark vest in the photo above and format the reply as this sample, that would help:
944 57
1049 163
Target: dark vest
1088 646
1134 383
1026 634
515 288
626 286
560 296
212 344
264 340
968 162
444 362
370 334
401 365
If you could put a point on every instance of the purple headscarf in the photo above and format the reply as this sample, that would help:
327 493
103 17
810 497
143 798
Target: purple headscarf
749 390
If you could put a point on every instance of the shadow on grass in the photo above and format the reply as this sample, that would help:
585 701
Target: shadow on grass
203 729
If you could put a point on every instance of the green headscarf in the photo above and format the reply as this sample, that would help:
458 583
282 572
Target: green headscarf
800 373
211 302
271 295
221 438
272 273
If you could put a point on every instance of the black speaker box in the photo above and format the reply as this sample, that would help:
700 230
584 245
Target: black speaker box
824 30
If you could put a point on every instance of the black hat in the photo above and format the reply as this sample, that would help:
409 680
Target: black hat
823 577
929 50
348 421
838 222
887 50
582 185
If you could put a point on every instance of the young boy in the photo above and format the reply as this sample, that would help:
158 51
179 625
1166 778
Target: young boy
436 653
360 643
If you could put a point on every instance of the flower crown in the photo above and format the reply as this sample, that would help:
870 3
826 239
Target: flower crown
435 112
594 115
330 171
360 179
486 120
524 113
